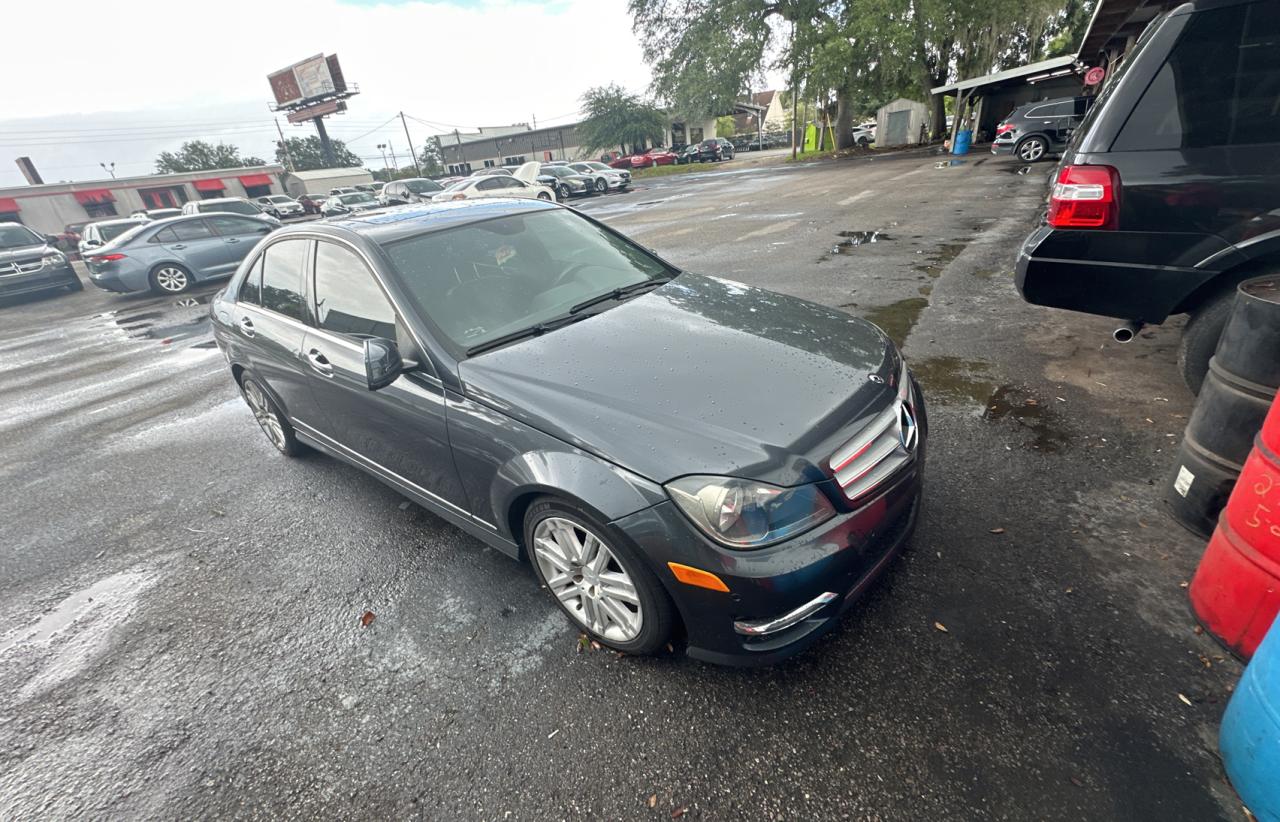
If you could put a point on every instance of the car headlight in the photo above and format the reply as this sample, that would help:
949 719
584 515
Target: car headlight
744 513
53 258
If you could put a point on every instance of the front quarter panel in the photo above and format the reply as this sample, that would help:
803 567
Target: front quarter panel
503 463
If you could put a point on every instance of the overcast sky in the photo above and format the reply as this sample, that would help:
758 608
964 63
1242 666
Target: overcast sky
105 86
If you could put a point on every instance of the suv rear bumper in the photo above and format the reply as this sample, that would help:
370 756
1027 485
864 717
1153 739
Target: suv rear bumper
1141 276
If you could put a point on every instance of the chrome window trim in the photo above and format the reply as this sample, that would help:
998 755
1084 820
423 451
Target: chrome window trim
311 431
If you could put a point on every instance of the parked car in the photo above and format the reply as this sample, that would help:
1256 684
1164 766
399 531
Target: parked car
603 177
96 235
715 149
481 359
655 157
169 256
690 153
1169 193
1034 131
343 204
494 185
334 192
617 160
311 203
227 205
864 136
29 263
566 182
280 206
411 190
156 213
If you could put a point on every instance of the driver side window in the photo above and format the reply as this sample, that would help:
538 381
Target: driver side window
349 300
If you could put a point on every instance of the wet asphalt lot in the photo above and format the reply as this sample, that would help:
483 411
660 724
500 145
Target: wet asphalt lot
180 607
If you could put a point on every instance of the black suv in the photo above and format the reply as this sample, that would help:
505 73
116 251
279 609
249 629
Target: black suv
716 148
1035 130
1169 193
29 262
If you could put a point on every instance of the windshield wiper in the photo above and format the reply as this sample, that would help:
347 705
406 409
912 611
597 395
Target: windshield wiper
531 331
619 293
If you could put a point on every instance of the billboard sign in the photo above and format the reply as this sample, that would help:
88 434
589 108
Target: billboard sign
315 77
301 115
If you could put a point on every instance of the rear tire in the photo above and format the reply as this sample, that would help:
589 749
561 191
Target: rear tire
170 278
273 423
1200 337
544 196
581 594
1032 149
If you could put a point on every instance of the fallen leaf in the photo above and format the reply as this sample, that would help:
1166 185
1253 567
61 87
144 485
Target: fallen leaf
595 646
1183 697
653 800
1070 590
1183 584
583 643
1076 781
366 618
1207 663
941 627
997 530
676 813
1198 630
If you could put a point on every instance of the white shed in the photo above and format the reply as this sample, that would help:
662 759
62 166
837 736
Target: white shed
319 181
902 123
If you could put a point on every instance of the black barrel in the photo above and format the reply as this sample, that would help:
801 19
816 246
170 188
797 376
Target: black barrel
1243 376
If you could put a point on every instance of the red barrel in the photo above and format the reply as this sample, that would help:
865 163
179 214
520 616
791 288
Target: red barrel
1236 589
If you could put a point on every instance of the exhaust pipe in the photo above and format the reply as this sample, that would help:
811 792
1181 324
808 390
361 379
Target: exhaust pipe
1127 332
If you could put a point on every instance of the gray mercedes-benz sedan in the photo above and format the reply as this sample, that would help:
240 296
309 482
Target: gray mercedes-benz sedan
681 458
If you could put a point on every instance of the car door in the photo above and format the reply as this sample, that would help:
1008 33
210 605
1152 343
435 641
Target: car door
270 313
398 430
492 186
194 244
239 236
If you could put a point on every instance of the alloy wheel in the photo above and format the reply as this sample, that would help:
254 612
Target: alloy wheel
583 573
1031 150
172 279
264 414
601 185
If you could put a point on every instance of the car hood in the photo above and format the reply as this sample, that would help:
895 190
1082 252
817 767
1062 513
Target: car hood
23 252
700 376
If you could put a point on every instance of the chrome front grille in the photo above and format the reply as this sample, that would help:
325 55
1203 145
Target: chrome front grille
15 268
886 444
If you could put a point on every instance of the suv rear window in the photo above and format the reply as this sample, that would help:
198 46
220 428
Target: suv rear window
1219 86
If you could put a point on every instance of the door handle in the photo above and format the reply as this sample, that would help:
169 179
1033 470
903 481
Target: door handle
179 246
319 363
246 326
233 239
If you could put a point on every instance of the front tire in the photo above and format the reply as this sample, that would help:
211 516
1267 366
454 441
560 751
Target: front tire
75 285
597 579
1032 149
1200 337
273 423
171 278
601 186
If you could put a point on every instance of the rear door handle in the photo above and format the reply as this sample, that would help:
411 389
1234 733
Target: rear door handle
179 246
246 326
233 239
319 363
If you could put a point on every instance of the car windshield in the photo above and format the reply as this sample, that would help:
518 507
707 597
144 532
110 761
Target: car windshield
232 207
482 281
458 186
557 171
358 197
598 166
280 198
422 186
16 236
112 230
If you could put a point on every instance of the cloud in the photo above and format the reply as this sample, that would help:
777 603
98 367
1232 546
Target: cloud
121 87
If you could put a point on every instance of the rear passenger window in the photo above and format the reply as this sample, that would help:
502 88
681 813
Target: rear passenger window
183 232
251 288
348 299
282 265
1220 85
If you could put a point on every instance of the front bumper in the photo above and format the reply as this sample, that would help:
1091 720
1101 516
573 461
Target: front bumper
46 278
804 584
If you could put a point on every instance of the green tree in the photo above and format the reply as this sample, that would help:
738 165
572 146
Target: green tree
307 156
431 159
616 117
726 126
197 155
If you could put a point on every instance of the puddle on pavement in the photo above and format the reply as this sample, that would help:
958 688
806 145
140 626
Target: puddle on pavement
853 239
938 261
175 321
956 381
897 319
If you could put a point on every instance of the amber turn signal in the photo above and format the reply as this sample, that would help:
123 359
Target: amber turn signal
697 577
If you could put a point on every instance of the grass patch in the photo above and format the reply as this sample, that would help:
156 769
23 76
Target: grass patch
667 171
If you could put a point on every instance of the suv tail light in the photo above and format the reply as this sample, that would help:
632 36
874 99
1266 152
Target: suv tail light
1085 197
1003 127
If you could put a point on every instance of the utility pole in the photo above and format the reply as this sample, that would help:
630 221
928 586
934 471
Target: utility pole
795 94
284 145
394 163
326 148
534 117
412 153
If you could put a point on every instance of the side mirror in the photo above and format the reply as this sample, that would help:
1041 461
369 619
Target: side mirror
382 363
92 243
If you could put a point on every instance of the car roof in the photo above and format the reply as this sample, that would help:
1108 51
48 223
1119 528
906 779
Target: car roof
118 220
385 225
220 200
